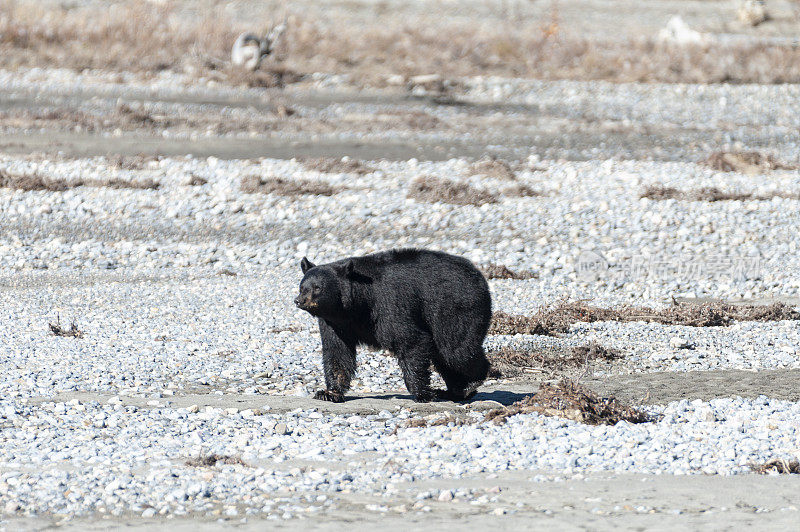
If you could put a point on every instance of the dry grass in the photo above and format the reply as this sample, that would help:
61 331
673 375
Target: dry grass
570 400
254 184
777 466
211 460
196 181
332 165
71 332
132 162
509 362
493 168
31 181
751 162
522 191
710 194
433 189
147 37
498 271
558 319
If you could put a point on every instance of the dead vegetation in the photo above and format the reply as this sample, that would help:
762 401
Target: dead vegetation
32 181
510 362
333 165
254 184
498 271
556 320
777 466
210 460
750 162
71 332
710 194
571 400
431 189
522 191
150 37
492 168
132 162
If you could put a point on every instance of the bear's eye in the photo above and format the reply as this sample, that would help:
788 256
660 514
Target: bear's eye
315 290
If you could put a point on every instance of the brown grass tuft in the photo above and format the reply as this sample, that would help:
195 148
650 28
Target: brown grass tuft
31 181
749 162
332 165
570 400
509 361
498 271
433 189
285 187
777 465
522 191
710 194
552 321
211 460
493 168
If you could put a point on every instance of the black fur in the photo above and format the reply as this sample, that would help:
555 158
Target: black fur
425 306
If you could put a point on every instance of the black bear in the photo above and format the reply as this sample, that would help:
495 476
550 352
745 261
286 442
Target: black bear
427 307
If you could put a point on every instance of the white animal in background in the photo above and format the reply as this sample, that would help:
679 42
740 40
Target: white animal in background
678 32
249 49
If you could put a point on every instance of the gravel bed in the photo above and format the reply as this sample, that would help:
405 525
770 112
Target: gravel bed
74 459
592 206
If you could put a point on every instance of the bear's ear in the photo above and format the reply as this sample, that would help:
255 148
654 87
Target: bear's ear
306 265
349 271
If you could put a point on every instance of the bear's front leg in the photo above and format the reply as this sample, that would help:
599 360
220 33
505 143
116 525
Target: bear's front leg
339 363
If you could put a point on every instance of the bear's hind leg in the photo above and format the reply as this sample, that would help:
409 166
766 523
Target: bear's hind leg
415 362
463 371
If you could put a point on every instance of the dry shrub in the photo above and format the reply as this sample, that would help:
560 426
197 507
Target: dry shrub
433 189
71 332
196 180
211 460
132 162
285 187
777 465
31 181
332 165
150 37
509 361
522 191
498 271
552 321
710 194
570 400
493 168
140 184
750 162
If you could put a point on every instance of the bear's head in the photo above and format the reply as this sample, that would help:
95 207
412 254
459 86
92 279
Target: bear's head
326 291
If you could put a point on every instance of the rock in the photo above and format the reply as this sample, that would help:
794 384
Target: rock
676 342
445 496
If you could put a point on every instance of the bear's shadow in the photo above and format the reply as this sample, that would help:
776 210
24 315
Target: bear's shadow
503 397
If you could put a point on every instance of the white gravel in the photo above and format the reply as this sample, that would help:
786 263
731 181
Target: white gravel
75 459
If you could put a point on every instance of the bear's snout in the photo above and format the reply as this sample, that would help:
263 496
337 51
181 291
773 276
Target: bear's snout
304 303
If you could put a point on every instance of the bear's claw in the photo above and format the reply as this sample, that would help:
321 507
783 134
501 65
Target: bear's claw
328 395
